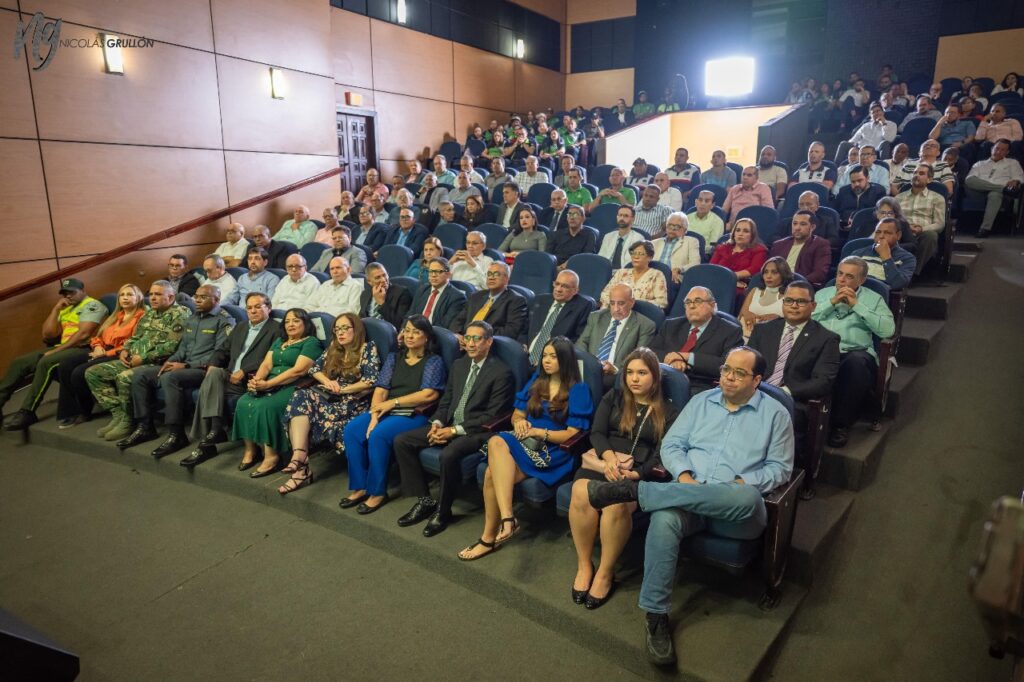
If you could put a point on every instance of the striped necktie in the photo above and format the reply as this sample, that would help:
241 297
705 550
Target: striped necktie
785 346
460 409
604 351
666 251
545 332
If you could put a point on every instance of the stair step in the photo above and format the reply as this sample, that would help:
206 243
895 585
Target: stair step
932 303
960 266
852 467
900 388
818 521
968 244
916 341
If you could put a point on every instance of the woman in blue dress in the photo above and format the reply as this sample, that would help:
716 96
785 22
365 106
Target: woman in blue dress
553 406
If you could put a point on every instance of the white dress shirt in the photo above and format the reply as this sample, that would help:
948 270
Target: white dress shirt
291 294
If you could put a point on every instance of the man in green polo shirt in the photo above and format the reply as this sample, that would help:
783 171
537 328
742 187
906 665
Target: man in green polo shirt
617 193
575 192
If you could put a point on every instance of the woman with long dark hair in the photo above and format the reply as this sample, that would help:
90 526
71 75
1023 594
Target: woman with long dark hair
553 406
743 253
764 303
525 237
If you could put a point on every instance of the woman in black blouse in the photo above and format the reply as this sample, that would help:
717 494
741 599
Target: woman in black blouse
626 434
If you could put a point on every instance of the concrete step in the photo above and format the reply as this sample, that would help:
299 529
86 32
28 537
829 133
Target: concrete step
960 266
932 303
901 388
968 244
917 340
818 521
853 466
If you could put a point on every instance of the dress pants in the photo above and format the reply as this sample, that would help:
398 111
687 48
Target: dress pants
216 393
679 510
993 192
858 371
926 246
414 482
146 380
368 458
32 365
75 398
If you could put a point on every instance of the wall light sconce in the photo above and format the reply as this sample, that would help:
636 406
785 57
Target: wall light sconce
112 58
401 11
520 48
277 89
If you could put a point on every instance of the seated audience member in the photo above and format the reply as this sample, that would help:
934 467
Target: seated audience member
995 127
668 195
340 294
953 131
683 175
626 435
234 249
323 235
479 388
650 214
566 315
576 238
341 243
299 229
373 186
463 189
857 94
217 275
156 336
749 192
181 280
277 251
347 209
497 175
378 211
995 177
521 145
403 199
703 221
258 417
929 156
397 182
473 215
440 302
432 249
642 109
227 376
887 207
646 283
442 174
413 376
978 95
615 193
445 214
886 259
526 238
470 264
496 148
805 252
971 110
368 233
428 189
345 375
75 402
730 446
640 174
934 94
502 308
772 174
295 290
801 356
858 193
467 167
872 171
414 171
594 127
697 344
876 133
925 210
900 154
614 331
554 217
549 410
620 117
206 332
383 300
925 109
852 157
615 245
407 233
743 253
677 250
511 205
1010 83
531 176
814 169
764 304
965 88
828 224
255 280
857 314
67 330
575 192
719 173
565 164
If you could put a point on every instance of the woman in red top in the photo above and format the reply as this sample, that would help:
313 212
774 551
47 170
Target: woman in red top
743 253
75 401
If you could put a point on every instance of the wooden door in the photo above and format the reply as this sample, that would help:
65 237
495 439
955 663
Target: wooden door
356 148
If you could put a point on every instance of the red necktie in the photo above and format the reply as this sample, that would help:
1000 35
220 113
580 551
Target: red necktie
430 304
691 341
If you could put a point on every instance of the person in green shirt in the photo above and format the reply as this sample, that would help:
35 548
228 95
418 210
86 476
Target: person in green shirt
496 149
617 193
642 108
704 222
575 192
299 229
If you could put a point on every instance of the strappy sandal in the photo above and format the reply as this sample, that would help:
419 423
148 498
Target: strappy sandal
491 547
515 529
293 465
295 482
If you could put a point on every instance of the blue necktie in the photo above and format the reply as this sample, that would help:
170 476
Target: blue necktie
605 349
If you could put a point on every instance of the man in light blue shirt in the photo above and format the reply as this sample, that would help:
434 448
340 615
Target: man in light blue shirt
442 173
299 229
257 280
727 448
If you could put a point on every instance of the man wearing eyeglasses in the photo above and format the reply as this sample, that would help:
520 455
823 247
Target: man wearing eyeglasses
368 233
565 315
575 238
728 448
295 290
886 259
499 306
439 302
277 251
383 300
697 344
407 233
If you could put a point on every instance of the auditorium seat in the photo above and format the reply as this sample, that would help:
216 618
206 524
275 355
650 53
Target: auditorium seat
603 218
534 270
452 236
540 194
595 271
395 258
720 280
719 192
383 335
767 220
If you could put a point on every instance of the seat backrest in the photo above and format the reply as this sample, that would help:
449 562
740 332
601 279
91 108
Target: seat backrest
594 271
186 300
515 358
413 187
312 252
494 233
534 270
236 312
736 168
986 84
675 386
238 272
854 245
476 147
592 187
720 280
451 235
448 345
778 394
395 258
382 334
719 192
494 254
524 292
916 132
463 286
323 323
540 193
603 218
109 301
592 373
767 220
320 276
599 176
280 272
411 284
863 223
701 243
451 150
757 280
651 312
496 196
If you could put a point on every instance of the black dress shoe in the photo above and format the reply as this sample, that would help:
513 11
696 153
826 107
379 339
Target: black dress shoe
592 602
660 649
21 420
198 456
213 437
141 434
839 437
578 596
605 493
421 511
349 502
437 523
367 509
174 442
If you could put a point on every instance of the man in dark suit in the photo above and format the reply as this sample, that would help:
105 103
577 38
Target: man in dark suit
228 374
815 254
184 281
575 238
368 233
440 302
620 117
277 252
511 206
383 300
857 195
698 343
828 222
566 315
480 388
407 233
499 306
613 333
555 217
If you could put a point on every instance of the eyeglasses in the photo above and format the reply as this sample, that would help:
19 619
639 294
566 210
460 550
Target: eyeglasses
342 329
797 301
735 372
294 267
473 337
437 272
691 302
495 274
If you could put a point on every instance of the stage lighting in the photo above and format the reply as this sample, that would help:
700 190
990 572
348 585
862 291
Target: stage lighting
729 77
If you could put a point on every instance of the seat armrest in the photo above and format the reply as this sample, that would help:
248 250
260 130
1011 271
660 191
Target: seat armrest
781 507
502 423
886 359
818 414
577 444
426 409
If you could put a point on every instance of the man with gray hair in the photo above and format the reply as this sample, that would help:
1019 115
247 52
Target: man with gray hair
298 229
340 294
531 176
217 275
614 332
233 250
497 305
676 249
296 289
463 189
470 264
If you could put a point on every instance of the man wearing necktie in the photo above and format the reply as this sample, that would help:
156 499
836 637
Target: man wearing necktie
502 308
615 245
565 315
439 302
554 216
614 332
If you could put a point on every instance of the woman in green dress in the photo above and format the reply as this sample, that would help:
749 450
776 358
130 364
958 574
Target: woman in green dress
258 415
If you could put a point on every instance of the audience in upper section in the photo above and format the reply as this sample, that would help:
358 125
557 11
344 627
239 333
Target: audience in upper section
234 249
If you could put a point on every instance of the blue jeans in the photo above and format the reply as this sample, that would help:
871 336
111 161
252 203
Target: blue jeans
679 510
368 458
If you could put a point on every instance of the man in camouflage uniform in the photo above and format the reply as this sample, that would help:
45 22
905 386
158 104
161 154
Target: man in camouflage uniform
155 338
206 332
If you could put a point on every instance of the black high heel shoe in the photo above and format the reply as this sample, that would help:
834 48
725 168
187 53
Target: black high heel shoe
597 602
578 596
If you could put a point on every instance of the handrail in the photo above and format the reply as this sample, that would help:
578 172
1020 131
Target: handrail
125 249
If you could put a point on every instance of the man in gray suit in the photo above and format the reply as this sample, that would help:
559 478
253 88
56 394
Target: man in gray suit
614 332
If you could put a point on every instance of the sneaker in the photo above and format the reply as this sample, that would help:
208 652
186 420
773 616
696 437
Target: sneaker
660 649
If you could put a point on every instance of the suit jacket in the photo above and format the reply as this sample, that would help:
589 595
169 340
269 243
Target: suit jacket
847 203
395 308
813 261
446 308
491 396
417 235
375 237
503 209
718 338
685 253
226 357
813 361
189 284
636 331
278 253
571 320
828 227
508 315
548 213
